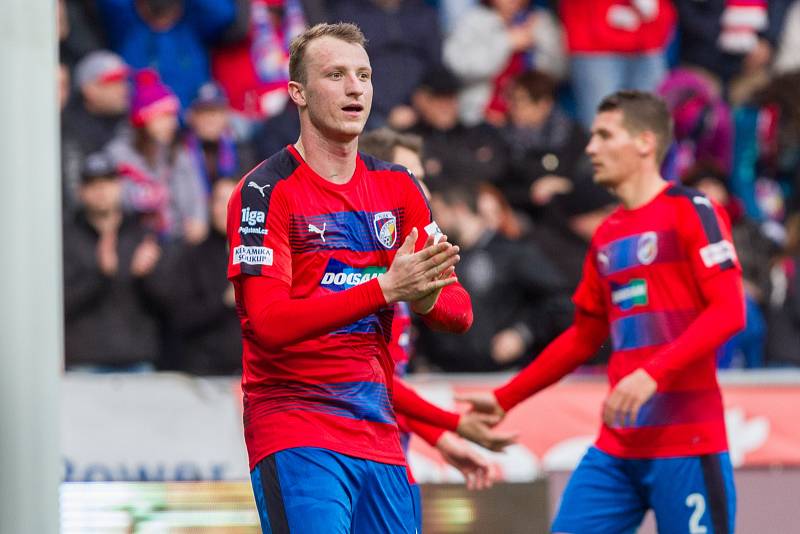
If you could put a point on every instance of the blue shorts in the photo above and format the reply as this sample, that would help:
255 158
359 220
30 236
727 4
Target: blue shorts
610 495
309 490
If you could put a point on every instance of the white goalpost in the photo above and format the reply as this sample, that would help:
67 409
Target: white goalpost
30 269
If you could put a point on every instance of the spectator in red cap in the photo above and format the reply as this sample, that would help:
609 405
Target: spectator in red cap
160 179
94 115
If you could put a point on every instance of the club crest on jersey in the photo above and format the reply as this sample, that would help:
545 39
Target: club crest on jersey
385 224
647 248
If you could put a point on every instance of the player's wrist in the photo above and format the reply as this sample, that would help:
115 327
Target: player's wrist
504 398
387 288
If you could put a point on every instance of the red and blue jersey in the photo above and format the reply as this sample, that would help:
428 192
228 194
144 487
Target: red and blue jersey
645 273
288 223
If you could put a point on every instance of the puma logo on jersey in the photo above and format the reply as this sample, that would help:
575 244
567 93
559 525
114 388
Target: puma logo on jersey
259 187
314 229
702 201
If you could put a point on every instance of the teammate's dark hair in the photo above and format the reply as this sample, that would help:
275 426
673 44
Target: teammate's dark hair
344 31
642 111
382 143
454 194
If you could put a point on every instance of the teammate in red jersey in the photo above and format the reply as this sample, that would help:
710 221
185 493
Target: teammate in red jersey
662 278
322 242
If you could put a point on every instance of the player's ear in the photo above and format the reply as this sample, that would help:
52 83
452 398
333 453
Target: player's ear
646 143
297 93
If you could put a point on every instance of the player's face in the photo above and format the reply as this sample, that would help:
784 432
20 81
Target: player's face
612 149
338 89
101 195
162 127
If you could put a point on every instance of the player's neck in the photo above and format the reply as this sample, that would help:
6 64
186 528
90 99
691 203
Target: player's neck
333 160
639 190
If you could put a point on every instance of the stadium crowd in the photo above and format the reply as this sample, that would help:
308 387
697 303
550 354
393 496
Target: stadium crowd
165 104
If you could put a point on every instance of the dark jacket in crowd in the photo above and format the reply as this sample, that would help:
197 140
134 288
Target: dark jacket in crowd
557 148
208 328
700 25
467 155
83 133
275 133
403 44
109 321
512 285
783 315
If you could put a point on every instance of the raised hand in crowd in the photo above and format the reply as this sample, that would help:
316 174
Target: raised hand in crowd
145 257
107 258
507 346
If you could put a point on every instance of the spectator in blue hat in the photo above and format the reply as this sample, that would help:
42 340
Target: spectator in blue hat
210 139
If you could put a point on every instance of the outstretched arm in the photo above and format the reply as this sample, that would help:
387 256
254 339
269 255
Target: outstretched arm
573 347
457 452
472 426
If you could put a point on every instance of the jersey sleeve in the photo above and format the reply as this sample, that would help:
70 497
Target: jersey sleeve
589 296
418 214
258 229
706 236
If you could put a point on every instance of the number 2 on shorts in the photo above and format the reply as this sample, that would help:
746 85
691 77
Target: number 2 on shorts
698 502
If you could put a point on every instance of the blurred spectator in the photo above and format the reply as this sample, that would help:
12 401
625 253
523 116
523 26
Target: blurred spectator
783 342
496 211
203 309
729 37
405 150
275 133
402 149
112 272
568 225
160 179
454 152
703 127
766 170
63 80
786 57
95 115
753 248
518 296
494 42
615 45
254 70
546 146
171 36
404 43
210 138
78 30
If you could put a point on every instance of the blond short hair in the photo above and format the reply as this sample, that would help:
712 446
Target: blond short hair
344 31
